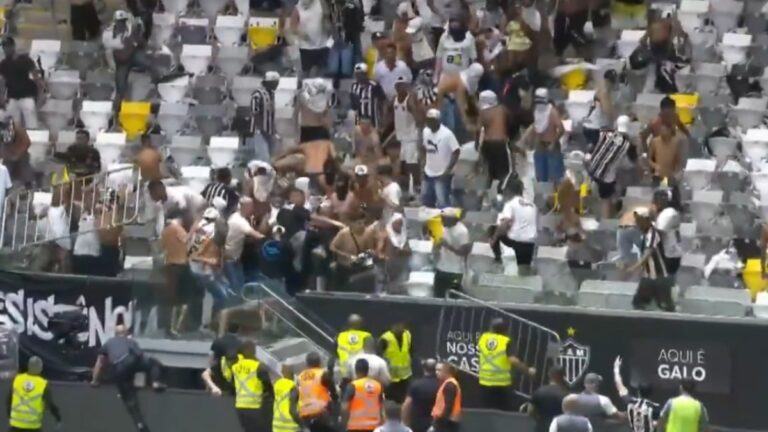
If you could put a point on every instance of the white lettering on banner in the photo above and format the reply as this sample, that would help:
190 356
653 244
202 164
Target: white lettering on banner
677 364
461 349
30 316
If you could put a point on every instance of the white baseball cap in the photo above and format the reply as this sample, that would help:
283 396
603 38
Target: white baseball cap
272 76
487 99
643 212
414 25
433 113
211 213
622 124
361 67
361 170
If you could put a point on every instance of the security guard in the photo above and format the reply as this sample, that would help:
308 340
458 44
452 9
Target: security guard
684 413
350 343
30 396
224 353
497 364
446 414
317 396
285 415
395 347
363 401
253 390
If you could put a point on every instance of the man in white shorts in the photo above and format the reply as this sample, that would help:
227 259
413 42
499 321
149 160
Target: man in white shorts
409 118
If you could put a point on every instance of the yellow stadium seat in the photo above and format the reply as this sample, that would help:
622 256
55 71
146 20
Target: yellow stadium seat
435 226
262 32
574 80
629 11
371 56
686 106
753 277
134 118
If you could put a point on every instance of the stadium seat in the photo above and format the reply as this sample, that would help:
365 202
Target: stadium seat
504 288
174 91
63 84
705 207
420 284
628 42
734 47
223 150
39 148
139 87
743 213
552 267
755 146
725 14
760 308
163 26
46 52
99 85
712 110
691 271
691 14
480 260
134 118
209 118
186 149
64 139
83 56
702 300
699 173
421 258
647 106
732 177
243 87
229 29
604 237
748 113
231 60
209 89
57 114
285 98
95 115
196 58
196 177
193 31
110 146
723 148
688 235
262 32
606 294
171 117
579 103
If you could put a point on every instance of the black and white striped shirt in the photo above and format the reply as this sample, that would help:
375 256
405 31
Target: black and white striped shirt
263 112
367 97
655 267
219 190
607 155
641 414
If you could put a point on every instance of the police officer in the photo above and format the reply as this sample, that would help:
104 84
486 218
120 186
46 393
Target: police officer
395 347
28 399
349 343
317 396
497 364
285 415
446 414
362 401
684 413
253 390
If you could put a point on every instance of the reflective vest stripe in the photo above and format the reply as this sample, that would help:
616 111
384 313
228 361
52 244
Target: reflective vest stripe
398 355
365 407
349 343
27 403
313 396
245 396
495 369
282 421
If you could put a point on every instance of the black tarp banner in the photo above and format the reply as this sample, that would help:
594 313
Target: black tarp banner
27 302
726 356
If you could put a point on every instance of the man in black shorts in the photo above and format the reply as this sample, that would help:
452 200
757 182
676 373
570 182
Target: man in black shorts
608 154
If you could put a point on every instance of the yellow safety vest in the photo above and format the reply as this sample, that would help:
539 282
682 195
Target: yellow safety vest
27 405
226 368
282 421
57 179
495 369
248 387
684 415
399 357
350 343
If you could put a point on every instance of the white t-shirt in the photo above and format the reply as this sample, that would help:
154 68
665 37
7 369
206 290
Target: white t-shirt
456 56
532 17
668 224
196 241
5 184
238 229
58 227
439 147
377 367
455 236
87 241
386 77
311 23
392 194
523 214
183 198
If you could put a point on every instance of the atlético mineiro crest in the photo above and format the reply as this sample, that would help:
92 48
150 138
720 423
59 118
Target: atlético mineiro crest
573 358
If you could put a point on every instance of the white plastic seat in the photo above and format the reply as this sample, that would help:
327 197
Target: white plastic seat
64 139
698 173
163 26
760 307
749 112
110 146
196 58
223 150
420 284
707 77
185 149
39 147
46 51
209 89
725 14
285 96
606 294
552 266
647 106
712 301
734 46
229 29
57 113
691 270
209 119
506 288
691 14
723 147
95 115
754 145
171 117
174 91
243 87
99 85
706 207
83 56
628 42
579 103
193 31
421 254
231 60
704 45
175 7
196 177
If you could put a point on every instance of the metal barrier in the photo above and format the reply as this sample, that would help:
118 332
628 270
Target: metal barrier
460 327
112 197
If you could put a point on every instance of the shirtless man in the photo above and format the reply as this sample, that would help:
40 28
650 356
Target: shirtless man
367 144
149 160
665 156
667 117
317 155
462 88
493 138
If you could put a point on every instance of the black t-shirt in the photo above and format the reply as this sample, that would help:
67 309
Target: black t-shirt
548 401
224 345
16 72
293 220
423 392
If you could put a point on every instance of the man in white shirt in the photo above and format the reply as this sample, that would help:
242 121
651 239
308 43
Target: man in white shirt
377 366
239 227
452 250
456 51
668 224
389 69
5 185
440 152
516 227
170 198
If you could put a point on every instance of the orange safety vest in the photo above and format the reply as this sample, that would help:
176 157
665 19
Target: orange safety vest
313 396
365 406
439 407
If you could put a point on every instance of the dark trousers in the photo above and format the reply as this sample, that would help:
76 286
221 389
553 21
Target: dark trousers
123 374
110 260
496 397
321 423
446 426
84 21
658 290
13 429
445 282
253 420
569 30
85 265
523 250
397 391
139 59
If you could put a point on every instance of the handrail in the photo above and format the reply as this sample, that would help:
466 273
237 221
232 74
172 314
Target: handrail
296 329
328 338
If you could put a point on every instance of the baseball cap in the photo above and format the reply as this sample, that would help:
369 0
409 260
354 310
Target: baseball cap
271 76
401 80
433 113
210 213
450 212
622 124
644 212
414 25
487 99
592 379
361 67
361 170
121 15
541 95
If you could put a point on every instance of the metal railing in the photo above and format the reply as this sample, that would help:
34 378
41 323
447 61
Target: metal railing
461 325
112 198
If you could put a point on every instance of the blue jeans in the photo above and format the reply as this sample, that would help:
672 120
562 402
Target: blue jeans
342 59
233 270
626 240
451 118
216 287
548 165
436 191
